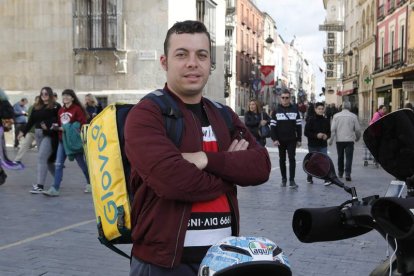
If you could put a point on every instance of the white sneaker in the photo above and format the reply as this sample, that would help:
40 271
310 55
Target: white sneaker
327 183
36 189
51 192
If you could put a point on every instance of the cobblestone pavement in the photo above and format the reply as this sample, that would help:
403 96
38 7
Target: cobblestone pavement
57 236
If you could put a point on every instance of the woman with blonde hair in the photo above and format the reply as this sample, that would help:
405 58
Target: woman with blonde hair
256 118
92 106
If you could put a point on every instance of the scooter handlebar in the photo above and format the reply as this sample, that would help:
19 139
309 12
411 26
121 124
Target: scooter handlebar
395 216
324 224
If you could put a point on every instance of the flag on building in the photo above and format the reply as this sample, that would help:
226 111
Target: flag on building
267 77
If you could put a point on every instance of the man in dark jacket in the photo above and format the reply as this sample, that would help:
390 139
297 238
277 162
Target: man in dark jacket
185 198
318 131
286 133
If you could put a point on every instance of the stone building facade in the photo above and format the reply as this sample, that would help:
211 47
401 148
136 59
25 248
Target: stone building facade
110 48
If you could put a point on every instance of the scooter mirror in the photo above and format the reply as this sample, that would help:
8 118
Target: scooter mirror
320 165
317 164
391 142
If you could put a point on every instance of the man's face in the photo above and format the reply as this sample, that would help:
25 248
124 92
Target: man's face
187 65
285 99
319 110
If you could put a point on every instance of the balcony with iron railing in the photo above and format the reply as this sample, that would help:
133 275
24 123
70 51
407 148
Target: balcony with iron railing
230 6
396 56
400 2
387 60
391 6
378 64
381 13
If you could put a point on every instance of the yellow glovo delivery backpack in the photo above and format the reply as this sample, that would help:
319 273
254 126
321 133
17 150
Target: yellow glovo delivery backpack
109 168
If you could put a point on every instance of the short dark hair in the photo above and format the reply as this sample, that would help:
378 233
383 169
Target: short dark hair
319 104
185 27
285 91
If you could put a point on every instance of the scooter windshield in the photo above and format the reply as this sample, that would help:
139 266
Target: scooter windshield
391 142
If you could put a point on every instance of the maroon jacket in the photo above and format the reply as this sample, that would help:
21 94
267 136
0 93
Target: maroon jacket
165 185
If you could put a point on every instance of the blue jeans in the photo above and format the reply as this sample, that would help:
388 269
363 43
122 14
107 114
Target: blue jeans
60 162
345 149
318 149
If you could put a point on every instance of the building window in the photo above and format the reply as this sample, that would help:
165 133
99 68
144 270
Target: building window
356 63
402 43
206 13
96 24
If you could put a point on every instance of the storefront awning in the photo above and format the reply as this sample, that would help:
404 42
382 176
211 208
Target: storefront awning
345 92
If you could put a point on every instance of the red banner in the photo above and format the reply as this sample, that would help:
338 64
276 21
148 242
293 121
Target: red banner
267 77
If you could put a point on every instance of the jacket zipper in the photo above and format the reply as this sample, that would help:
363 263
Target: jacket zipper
178 237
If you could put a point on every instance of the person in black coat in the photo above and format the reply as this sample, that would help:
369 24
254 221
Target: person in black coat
318 131
254 118
7 120
286 126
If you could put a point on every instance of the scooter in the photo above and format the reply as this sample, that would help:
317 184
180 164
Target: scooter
391 141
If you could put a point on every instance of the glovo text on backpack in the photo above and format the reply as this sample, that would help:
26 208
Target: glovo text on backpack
106 172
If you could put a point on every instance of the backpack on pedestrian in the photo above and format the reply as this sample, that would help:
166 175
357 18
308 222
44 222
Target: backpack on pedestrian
6 115
109 168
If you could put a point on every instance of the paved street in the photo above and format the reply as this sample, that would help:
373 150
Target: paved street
57 236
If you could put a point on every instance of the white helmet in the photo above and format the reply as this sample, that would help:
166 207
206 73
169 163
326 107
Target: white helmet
244 256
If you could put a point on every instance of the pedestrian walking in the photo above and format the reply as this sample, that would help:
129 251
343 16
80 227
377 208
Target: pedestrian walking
185 198
310 112
286 133
6 116
318 131
256 118
27 142
302 107
44 114
20 118
72 116
330 111
345 129
93 107
381 111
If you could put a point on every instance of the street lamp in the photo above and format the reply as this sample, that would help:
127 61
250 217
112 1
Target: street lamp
269 40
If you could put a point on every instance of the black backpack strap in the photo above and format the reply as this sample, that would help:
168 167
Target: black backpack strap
225 113
125 234
174 123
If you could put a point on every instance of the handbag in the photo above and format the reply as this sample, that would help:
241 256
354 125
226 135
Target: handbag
264 131
7 124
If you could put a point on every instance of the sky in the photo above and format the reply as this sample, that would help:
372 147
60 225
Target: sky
300 18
